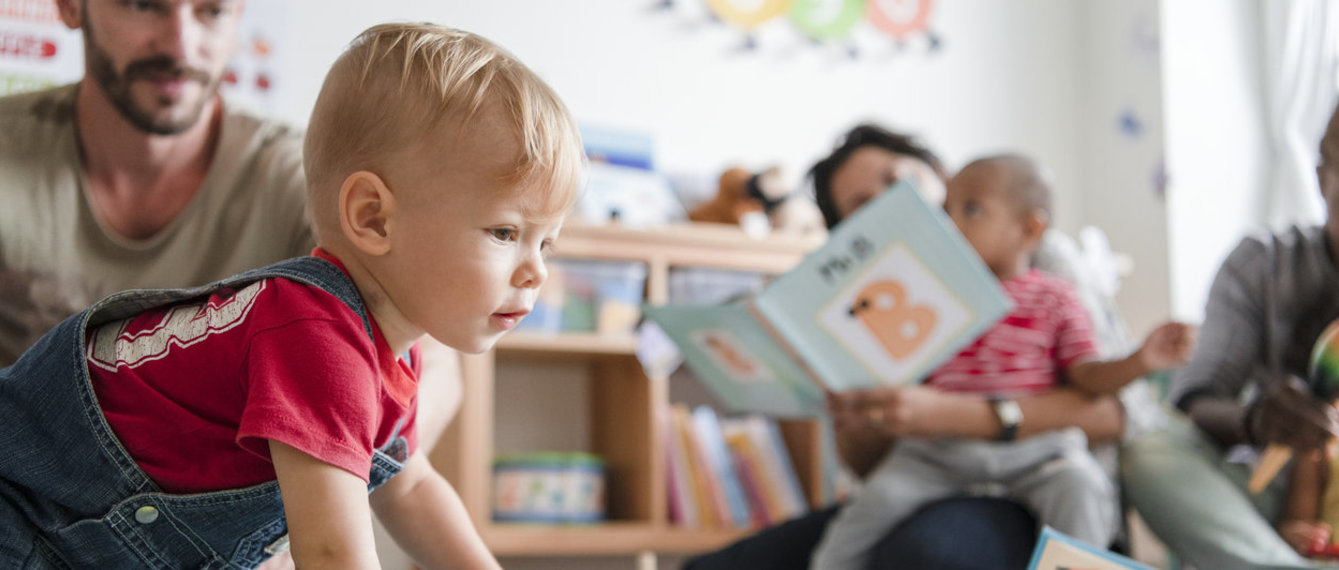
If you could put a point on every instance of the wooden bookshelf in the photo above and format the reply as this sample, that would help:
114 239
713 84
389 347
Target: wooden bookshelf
624 407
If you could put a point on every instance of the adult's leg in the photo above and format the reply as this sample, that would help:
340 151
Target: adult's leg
961 533
1196 503
786 546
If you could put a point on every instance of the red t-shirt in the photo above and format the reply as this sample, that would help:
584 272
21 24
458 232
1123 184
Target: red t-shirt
1047 331
195 391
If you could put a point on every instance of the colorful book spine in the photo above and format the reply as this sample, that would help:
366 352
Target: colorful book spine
721 466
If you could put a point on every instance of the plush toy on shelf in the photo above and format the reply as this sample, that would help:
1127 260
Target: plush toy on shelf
759 203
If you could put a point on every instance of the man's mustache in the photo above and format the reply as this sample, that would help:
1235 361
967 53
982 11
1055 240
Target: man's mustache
161 67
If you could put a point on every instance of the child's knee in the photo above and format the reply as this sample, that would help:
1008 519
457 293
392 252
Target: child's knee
1078 477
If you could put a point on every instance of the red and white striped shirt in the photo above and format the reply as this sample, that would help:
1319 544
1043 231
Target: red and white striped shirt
1026 352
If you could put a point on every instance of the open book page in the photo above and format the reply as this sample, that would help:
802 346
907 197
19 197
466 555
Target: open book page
894 292
735 355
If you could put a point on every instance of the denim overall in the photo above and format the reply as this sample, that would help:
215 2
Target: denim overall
70 495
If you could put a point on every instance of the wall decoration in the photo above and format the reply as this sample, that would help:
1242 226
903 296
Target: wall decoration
747 14
255 77
37 51
1129 124
1159 178
826 19
852 26
903 19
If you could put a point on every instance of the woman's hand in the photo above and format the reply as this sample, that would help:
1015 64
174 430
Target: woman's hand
915 411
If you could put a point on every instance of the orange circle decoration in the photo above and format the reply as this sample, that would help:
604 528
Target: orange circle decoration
747 14
900 18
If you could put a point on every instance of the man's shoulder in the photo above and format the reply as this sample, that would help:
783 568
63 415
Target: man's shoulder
254 126
26 114
1262 245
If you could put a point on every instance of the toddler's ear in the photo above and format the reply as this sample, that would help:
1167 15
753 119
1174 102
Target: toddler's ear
365 208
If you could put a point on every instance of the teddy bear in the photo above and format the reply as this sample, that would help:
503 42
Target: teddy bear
747 199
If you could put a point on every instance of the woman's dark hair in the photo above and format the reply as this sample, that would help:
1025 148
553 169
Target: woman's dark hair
860 136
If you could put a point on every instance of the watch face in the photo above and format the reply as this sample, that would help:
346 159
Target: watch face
1009 412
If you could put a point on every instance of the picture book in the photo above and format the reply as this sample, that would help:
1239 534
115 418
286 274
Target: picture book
895 291
1058 551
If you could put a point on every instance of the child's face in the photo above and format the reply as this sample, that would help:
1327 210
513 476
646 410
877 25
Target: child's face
980 205
467 263
870 170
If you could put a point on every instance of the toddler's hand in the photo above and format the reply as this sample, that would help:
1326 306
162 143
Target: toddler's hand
1168 346
1306 537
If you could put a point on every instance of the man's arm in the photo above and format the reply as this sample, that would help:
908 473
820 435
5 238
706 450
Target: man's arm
424 515
329 522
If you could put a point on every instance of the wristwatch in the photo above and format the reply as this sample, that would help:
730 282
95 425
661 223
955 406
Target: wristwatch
1010 415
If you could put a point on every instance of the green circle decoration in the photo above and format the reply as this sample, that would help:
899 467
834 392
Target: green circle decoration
826 19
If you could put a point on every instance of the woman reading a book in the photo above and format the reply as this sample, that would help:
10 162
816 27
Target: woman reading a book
966 532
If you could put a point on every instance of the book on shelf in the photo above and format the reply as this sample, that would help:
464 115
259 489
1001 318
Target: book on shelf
728 472
682 496
756 442
895 291
727 491
1058 551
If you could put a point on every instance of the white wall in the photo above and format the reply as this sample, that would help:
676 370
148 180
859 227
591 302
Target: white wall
1215 142
1120 126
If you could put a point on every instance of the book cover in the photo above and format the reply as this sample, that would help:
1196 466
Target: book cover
682 499
721 465
772 447
895 291
1058 551
708 499
764 486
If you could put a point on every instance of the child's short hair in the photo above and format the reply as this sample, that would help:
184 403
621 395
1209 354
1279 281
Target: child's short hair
1029 184
398 84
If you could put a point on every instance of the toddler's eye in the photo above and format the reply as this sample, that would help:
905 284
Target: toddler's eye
503 234
546 248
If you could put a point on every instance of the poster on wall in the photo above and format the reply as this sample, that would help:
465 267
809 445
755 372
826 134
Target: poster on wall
38 51
826 22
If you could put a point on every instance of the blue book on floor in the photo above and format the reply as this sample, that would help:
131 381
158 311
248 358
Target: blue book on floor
1058 551
894 292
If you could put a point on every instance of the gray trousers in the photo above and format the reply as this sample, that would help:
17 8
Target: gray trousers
1053 474
1195 500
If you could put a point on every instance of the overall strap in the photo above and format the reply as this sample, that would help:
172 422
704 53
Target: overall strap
312 271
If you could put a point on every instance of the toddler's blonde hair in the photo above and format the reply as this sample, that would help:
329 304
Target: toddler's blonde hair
396 87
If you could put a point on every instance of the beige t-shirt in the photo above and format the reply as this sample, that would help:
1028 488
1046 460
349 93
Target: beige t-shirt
56 258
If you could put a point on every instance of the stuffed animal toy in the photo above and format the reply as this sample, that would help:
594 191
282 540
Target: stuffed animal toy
742 196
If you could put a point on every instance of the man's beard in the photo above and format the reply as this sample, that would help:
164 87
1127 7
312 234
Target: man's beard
117 86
